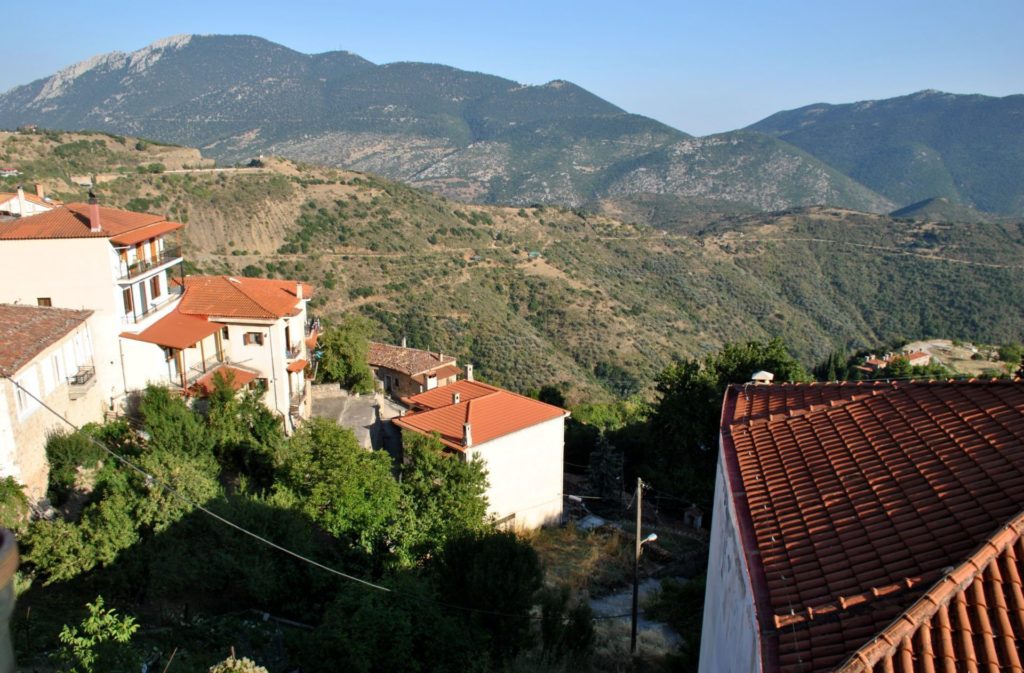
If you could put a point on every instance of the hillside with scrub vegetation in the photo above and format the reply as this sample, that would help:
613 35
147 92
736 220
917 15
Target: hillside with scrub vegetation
550 295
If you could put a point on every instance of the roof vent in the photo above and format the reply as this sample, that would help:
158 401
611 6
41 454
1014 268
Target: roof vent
455 398
232 279
469 372
762 377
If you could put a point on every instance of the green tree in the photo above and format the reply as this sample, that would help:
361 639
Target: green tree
496 576
1013 353
101 643
566 631
171 425
344 352
346 489
605 470
445 493
14 506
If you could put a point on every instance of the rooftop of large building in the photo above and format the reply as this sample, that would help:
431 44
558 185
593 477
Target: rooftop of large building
241 297
408 361
881 522
122 227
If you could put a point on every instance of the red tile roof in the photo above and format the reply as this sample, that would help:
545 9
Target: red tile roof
442 397
26 331
234 297
853 500
239 379
491 412
409 361
72 221
145 233
175 330
8 196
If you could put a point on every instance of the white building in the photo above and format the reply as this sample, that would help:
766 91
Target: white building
116 263
46 354
256 329
127 268
520 440
20 204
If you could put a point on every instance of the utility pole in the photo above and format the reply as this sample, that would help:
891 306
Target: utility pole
636 562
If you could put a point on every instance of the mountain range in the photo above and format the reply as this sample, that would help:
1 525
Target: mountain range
482 138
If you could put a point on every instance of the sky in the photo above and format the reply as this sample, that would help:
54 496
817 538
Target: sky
702 67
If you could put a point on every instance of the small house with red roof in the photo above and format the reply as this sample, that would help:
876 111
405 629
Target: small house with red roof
403 372
46 357
520 440
20 204
868 527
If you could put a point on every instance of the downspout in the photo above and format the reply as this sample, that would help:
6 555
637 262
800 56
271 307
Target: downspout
273 370
124 376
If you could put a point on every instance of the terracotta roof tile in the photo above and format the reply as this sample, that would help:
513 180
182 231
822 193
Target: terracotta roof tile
409 361
26 331
238 376
72 221
857 500
491 412
234 297
175 330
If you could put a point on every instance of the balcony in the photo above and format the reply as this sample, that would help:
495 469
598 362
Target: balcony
81 382
173 294
131 271
293 352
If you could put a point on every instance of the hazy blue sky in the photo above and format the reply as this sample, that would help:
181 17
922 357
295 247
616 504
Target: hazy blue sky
702 67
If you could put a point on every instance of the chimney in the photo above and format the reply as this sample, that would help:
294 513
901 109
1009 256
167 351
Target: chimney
467 435
21 201
762 377
403 343
39 191
94 214
455 398
298 290
469 372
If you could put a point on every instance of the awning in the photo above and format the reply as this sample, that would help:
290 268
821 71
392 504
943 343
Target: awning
297 366
176 330
145 233
239 379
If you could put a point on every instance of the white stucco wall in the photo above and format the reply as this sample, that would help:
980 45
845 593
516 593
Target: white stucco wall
525 474
24 429
729 637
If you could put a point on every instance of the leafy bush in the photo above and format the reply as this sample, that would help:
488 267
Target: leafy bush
101 643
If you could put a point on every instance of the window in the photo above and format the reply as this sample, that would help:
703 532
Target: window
252 338
58 368
224 333
44 301
129 303
154 286
25 391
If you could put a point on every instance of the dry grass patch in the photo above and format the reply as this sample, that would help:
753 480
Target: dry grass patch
593 561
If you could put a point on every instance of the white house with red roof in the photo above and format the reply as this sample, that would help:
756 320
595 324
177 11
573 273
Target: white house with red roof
46 357
20 204
520 440
127 268
116 263
249 330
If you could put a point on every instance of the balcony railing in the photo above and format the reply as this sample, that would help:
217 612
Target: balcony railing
81 382
313 326
173 292
293 352
136 269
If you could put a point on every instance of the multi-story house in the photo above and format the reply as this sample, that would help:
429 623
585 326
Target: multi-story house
520 440
20 204
253 331
46 357
116 263
128 268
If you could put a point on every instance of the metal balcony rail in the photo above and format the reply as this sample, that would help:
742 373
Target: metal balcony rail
136 269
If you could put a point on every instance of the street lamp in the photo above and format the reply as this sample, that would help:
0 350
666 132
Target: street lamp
640 542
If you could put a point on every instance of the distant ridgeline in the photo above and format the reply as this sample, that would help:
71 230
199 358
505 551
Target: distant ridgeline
482 138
